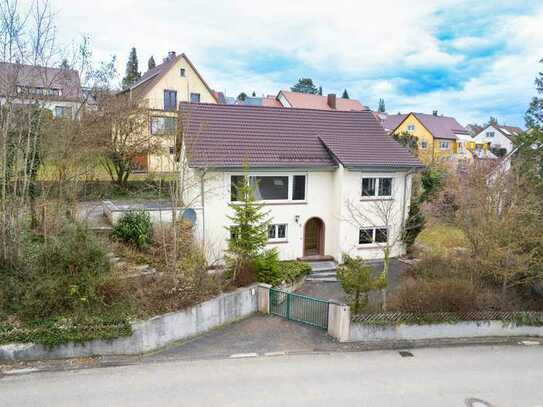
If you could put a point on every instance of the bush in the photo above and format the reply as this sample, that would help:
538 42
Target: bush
266 266
135 228
270 270
443 295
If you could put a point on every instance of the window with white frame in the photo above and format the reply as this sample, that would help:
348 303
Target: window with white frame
410 127
194 98
271 187
490 134
376 187
372 235
424 145
444 145
182 72
277 232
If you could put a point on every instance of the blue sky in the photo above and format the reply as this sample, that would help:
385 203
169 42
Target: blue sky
468 59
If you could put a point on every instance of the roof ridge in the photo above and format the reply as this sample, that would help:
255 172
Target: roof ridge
274 107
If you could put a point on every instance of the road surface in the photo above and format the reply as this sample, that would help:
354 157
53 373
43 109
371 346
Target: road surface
505 376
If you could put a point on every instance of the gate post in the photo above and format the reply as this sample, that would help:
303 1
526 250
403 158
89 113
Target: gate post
339 321
264 298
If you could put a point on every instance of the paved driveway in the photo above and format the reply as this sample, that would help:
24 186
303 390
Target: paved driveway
334 291
257 334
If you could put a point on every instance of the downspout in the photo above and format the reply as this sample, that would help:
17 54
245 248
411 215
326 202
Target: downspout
202 189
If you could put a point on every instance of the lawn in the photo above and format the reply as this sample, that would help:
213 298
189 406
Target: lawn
440 239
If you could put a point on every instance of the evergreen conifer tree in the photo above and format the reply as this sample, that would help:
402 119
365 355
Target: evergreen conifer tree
132 73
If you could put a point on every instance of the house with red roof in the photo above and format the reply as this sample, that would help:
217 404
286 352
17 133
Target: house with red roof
325 177
497 137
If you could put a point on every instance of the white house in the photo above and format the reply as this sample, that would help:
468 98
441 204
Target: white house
332 181
497 137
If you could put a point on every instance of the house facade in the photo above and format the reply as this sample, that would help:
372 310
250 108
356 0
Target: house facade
161 89
332 182
499 138
56 89
439 137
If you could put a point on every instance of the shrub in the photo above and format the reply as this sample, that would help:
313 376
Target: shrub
292 270
357 280
266 266
135 228
443 295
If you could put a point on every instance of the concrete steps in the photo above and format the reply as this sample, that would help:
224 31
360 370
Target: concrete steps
322 272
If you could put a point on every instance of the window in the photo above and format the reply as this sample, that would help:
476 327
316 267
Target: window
163 125
182 72
424 145
170 100
410 127
277 232
444 145
63 111
377 187
490 134
372 235
172 150
368 186
194 98
298 188
271 187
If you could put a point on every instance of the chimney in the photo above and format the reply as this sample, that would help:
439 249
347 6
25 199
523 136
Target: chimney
171 55
434 112
332 100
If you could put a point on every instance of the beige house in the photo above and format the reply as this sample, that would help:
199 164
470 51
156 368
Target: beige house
161 89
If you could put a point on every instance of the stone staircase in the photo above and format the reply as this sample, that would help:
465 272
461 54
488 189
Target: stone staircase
322 272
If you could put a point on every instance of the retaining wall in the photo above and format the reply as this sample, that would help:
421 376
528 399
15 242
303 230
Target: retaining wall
360 332
150 334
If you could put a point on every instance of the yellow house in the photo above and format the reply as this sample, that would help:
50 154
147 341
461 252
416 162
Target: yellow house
161 89
439 137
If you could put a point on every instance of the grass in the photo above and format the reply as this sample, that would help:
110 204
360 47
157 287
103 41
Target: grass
440 239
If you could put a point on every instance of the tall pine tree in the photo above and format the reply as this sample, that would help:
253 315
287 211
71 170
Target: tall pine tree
132 73
345 95
381 107
151 63
248 233
305 85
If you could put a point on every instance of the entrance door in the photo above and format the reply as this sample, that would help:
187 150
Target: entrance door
314 237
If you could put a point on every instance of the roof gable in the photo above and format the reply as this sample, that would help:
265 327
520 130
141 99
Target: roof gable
153 76
440 127
228 136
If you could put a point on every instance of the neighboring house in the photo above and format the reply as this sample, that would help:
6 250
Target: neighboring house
308 101
498 138
57 89
311 169
439 137
287 98
161 89
389 121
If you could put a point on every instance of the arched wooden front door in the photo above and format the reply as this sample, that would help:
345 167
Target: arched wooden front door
314 237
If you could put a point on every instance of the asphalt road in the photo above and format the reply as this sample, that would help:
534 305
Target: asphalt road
505 376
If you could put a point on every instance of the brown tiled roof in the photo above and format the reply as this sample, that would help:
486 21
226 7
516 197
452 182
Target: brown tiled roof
441 127
271 101
308 101
66 80
390 121
228 136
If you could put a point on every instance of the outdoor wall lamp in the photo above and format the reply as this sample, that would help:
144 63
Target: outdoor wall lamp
297 218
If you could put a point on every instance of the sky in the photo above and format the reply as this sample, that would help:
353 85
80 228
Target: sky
467 59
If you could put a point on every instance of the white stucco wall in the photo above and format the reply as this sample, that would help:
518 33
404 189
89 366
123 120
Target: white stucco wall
329 194
498 140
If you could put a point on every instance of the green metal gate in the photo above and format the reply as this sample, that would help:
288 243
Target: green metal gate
296 307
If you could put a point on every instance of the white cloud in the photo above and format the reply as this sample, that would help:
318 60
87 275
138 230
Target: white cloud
354 44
